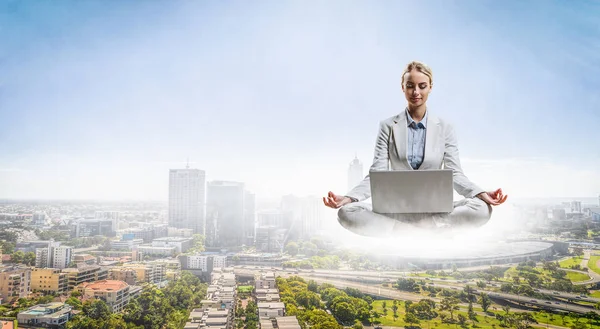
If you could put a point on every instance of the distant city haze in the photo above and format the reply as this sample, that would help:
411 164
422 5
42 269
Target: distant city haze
100 100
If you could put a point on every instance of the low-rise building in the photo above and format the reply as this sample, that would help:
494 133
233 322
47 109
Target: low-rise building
85 273
128 275
269 310
114 293
84 259
265 281
148 272
280 322
181 244
267 295
49 280
46 315
124 244
157 251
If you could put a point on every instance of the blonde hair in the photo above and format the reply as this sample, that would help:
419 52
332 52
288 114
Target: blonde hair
419 66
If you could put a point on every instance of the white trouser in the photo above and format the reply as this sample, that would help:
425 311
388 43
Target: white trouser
359 218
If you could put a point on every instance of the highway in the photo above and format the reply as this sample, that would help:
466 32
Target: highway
367 284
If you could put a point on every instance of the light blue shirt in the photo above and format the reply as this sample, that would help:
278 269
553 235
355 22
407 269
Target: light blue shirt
416 140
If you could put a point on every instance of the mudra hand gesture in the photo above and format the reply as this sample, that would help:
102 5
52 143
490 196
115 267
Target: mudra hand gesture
494 198
335 201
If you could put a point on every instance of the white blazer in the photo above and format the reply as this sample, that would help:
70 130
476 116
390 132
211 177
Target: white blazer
441 151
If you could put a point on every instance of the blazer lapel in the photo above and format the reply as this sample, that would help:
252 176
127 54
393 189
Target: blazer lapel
431 138
401 138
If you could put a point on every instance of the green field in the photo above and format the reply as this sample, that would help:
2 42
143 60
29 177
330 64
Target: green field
245 288
573 276
577 277
567 263
556 320
486 322
595 294
593 263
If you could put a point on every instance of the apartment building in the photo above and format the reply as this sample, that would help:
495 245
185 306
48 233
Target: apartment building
49 280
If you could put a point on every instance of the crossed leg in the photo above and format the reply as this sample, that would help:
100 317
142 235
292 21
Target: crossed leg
359 218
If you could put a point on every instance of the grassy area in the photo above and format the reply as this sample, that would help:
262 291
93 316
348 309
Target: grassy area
245 288
595 294
567 263
577 277
482 321
573 276
593 263
557 320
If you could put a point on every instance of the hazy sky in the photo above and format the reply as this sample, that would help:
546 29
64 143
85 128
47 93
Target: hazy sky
98 99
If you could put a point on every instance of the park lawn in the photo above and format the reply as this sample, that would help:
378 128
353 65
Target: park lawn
592 263
483 322
595 294
567 263
245 288
577 277
556 320
573 276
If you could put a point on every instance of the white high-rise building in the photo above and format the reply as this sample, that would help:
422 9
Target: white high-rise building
186 199
54 256
355 173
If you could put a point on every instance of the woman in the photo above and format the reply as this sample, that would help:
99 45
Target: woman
415 140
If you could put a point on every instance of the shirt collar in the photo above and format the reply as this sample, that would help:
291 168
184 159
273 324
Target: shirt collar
409 119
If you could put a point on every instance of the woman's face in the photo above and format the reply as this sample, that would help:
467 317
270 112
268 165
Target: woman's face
416 88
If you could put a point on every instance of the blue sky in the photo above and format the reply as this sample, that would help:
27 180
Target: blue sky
98 99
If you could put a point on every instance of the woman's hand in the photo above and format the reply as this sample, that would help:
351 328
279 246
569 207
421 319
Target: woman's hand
335 201
494 198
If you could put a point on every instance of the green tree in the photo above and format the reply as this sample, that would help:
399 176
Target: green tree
29 258
410 318
76 303
96 310
7 247
17 257
485 301
449 304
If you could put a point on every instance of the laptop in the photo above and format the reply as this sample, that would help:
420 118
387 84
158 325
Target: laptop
412 191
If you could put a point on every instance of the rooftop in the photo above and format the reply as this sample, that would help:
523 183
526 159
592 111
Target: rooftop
105 285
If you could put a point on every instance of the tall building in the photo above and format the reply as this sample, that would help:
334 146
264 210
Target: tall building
225 214
186 199
306 215
249 218
355 173
53 256
113 216
576 206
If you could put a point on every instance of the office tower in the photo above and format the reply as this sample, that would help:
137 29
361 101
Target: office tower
305 215
355 173
113 216
225 214
249 218
186 199
39 218
576 206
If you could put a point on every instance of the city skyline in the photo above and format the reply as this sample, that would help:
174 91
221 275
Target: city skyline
281 95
